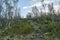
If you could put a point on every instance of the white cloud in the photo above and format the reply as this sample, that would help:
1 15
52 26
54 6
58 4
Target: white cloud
45 10
48 1
34 0
56 7
25 7
36 4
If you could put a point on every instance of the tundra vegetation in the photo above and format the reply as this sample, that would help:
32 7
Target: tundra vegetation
41 26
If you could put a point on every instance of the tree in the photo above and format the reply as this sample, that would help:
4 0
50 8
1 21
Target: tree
35 11
51 9
29 15
0 7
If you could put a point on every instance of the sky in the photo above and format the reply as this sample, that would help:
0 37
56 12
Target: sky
26 5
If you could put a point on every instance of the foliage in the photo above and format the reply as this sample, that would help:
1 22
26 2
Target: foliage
21 28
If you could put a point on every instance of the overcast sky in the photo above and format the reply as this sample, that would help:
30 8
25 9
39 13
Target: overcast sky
26 5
